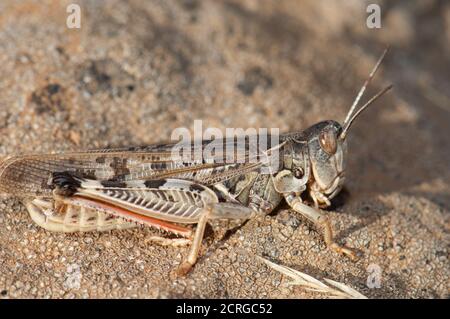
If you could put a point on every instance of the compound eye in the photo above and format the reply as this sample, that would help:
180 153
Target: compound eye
328 141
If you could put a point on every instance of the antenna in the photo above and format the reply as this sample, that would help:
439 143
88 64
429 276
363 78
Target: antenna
363 88
350 121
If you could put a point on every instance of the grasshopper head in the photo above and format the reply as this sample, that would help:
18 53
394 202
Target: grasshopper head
327 153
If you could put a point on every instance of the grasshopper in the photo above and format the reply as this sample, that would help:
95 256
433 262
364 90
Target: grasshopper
109 189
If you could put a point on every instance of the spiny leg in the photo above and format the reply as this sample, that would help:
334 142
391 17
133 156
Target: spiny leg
213 211
322 222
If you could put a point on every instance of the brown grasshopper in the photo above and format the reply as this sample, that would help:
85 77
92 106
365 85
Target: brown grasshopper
116 188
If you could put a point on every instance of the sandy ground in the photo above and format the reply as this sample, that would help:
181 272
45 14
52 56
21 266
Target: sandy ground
136 70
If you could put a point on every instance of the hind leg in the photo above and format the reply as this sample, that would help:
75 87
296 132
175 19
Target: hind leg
67 218
216 211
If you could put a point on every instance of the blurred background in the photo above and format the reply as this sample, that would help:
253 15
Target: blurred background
136 70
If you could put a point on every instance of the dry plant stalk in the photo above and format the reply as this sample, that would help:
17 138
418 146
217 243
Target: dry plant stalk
333 290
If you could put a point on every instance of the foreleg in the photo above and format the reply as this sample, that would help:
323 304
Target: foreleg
320 220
